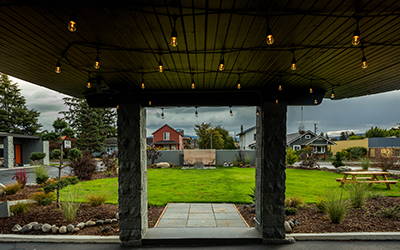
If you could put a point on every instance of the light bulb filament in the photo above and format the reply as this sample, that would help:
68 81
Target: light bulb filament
72 26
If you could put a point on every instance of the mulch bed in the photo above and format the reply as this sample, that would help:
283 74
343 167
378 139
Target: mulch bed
22 194
364 219
52 215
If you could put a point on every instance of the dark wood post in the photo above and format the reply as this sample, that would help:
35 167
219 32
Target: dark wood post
132 179
270 172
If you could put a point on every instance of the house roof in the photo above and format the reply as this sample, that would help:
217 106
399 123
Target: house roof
384 142
246 131
166 125
295 136
166 142
3 134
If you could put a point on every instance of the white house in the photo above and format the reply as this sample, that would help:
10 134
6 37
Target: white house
247 138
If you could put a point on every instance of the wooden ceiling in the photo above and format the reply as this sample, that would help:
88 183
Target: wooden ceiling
131 39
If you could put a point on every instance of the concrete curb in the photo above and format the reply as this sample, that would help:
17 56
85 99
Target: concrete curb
59 238
346 236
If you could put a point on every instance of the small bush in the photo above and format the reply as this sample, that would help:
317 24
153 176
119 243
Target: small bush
41 175
96 200
74 154
53 184
336 207
321 205
390 212
338 160
42 198
293 202
291 157
19 208
365 164
355 153
358 193
56 154
84 167
37 156
290 210
70 208
11 189
20 177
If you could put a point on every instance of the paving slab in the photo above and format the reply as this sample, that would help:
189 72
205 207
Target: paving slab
201 215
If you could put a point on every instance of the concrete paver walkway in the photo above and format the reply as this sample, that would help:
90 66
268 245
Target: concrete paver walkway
181 215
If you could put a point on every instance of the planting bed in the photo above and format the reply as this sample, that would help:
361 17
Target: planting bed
366 219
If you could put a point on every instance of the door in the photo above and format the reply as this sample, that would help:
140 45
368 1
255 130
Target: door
18 154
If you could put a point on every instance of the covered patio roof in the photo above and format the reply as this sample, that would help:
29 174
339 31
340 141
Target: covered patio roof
131 39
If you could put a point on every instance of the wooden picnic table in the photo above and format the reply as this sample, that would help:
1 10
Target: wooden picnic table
369 177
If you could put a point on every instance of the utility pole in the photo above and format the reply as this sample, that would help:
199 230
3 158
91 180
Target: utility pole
315 128
211 141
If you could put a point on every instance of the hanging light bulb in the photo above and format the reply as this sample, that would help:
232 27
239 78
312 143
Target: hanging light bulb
193 84
230 111
221 65
150 103
238 85
195 112
162 113
280 88
293 65
356 38
364 62
173 40
315 101
276 101
89 84
269 37
257 112
311 90
72 24
160 66
58 68
333 94
97 62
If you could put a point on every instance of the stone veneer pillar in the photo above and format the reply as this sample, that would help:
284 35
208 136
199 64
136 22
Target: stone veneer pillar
132 179
270 171
8 143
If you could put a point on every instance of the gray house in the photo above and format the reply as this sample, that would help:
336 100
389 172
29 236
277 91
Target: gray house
308 138
16 149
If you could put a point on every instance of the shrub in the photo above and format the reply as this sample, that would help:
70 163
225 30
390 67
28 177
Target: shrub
53 184
355 153
96 200
365 164
41 174
321 205
390 212
42 198
290 210
37 156
70 208
19 208
308 157
84 167
291 156
358 193
56 154
338 160
20 177
336 207
74 154
11 189
293 202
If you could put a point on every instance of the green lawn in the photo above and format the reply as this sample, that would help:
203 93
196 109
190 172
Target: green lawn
219 185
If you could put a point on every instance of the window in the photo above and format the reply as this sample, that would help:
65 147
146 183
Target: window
166 136
307 136
255 136
296 147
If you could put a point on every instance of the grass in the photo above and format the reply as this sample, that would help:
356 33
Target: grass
219 185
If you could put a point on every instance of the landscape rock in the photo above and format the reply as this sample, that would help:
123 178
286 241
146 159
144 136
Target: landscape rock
117 216
90 223
54 229
81 225
2 187
342 169
63 230
288 228
70 228
16 228
106 229
107 221
163 165
26 228
291 223
76 229
33 223
46 228
100 222
114 220
37 227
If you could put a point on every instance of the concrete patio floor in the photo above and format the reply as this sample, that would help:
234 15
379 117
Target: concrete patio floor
200 215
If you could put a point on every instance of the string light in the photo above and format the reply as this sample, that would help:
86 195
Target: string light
311 90
173 40
257 112
293 65
364 62
142 83
230 111
89 84
196 114
193 83
269 37
280 88
315 101
72 25
276 101
160 66
162 113
356 38
58 68
150 103
221 65
333 94
238 86
97 62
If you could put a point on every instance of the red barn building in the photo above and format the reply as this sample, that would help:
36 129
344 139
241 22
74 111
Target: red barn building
167 137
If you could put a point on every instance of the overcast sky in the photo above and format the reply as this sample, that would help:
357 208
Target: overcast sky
355 114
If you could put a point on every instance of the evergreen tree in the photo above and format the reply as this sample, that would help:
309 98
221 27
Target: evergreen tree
15 117
215 138
92 125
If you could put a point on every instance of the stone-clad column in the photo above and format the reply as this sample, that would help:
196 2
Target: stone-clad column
132 173
270 172
8 143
